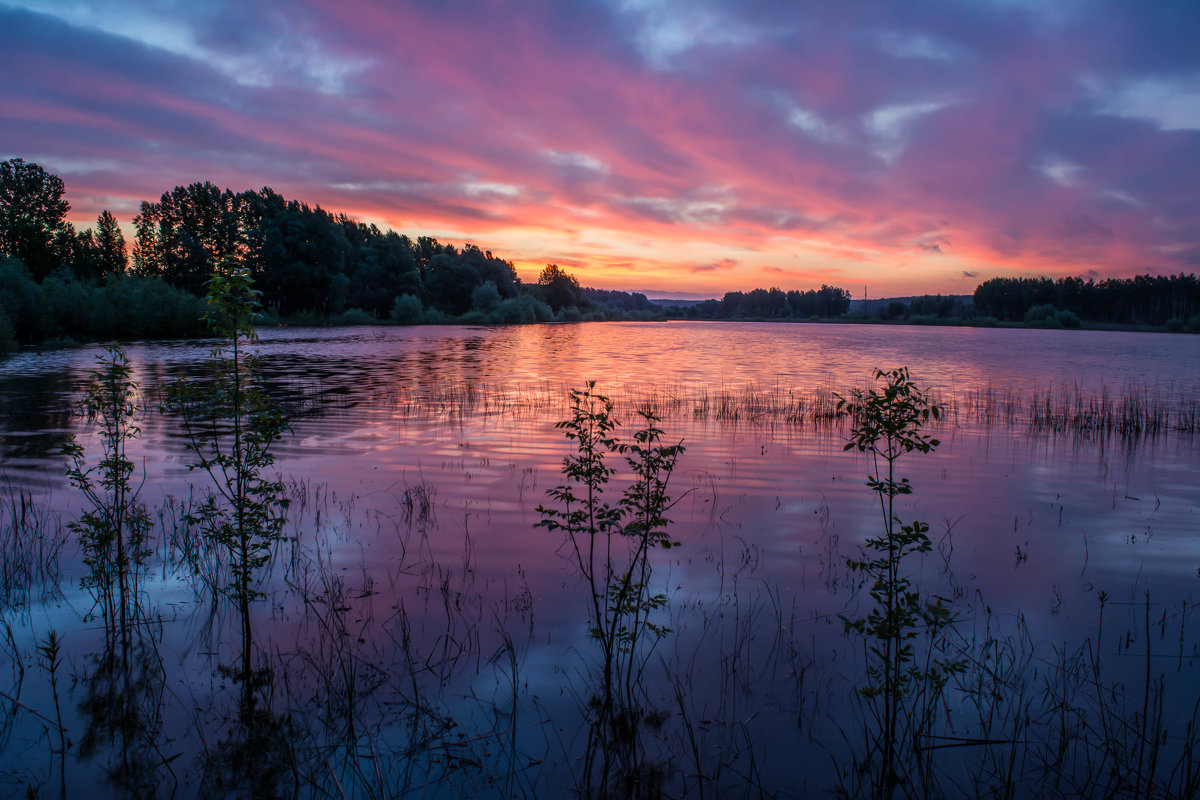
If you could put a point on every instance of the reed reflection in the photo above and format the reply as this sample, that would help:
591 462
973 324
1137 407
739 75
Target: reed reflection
122 711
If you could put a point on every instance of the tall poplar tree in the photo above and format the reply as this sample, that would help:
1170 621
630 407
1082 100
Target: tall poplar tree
111 257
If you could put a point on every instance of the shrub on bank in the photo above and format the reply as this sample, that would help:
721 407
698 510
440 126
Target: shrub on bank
407 310
354 316
1041 314
524 308
150 308
1047 316
1066 319
305 316
485 297
476 317
21 301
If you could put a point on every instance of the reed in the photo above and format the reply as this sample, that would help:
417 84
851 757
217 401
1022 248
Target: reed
31 545
1038 718
50 659
1131 411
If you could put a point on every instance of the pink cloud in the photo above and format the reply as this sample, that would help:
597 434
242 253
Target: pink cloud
901 149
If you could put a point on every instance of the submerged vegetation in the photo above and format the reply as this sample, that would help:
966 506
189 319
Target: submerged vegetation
112 533
903 685
231 425
611 546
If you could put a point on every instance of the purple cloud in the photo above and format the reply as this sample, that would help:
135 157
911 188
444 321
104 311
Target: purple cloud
951 139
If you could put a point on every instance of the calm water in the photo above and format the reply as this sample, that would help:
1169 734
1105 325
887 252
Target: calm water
417 603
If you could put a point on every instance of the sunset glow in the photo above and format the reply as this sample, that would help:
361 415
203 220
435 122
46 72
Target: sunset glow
674 148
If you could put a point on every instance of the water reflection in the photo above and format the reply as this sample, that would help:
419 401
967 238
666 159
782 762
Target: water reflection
254 755
121 711
419 635
36 419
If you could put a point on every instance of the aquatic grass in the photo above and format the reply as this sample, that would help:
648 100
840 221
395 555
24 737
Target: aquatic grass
121 711
31 544
1137 411
337 653
1031 718
418 503
375 719
1132 411
189 551
50 659
413 737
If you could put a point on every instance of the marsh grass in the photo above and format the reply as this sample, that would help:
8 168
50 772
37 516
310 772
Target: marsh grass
120 707
1132 411
372 686
1037 718
418 503
31 544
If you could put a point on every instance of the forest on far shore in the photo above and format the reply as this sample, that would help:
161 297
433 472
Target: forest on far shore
314 266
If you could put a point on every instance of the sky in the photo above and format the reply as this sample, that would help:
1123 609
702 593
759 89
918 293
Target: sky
676 147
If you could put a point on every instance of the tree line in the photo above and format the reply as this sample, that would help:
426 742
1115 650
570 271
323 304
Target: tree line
826 302
309 261
1173 301
313 265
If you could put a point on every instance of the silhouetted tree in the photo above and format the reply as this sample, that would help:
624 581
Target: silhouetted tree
450 282
617 300
559 289
82 255
774 303
299 252
940 306
111 258
33 224
190 229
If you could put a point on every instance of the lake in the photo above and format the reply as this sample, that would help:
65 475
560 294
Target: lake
420 635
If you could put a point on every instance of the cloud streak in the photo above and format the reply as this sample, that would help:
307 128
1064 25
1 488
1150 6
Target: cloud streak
685 146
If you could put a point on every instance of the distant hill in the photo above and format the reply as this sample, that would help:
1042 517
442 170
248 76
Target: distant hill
674 301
